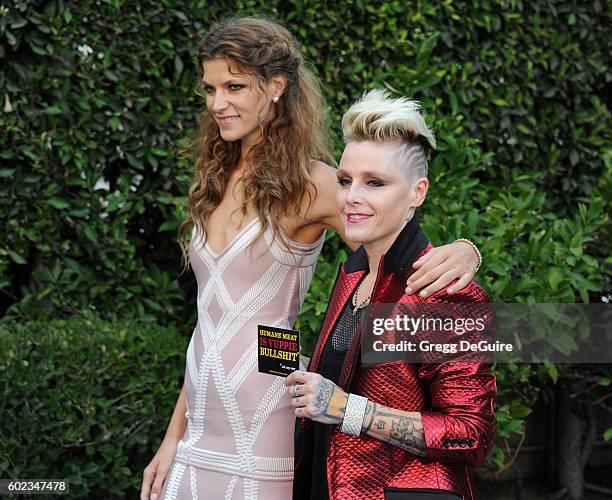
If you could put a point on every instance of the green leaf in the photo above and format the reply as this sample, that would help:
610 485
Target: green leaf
499 102
521 411
159 151
428 82
52 110
555 276
90 234
576 241
111 75
135 162
553 373
79 212
178 67
563 343
574 157
57 203
73 265
17 259
170 225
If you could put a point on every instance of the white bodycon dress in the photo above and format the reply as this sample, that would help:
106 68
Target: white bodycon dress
239 438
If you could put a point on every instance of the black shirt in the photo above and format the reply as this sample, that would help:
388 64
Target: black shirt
330 367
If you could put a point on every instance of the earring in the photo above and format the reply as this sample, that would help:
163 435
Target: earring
275 98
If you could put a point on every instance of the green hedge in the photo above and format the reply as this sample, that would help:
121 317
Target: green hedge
98 102
86 400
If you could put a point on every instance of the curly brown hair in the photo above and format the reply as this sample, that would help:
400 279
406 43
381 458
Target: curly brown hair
278 177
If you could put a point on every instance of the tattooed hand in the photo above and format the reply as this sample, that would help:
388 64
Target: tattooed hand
316 397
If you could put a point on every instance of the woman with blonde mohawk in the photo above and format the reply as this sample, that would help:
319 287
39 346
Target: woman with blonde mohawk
386 429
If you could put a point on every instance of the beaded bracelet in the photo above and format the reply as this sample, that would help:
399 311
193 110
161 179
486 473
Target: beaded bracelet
354 414
473 245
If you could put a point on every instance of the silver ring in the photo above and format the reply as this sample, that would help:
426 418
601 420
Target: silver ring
294 387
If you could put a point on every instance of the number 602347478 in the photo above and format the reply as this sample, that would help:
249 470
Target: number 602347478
34 486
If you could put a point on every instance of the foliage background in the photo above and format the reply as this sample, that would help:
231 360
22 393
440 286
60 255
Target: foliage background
98 103
82 397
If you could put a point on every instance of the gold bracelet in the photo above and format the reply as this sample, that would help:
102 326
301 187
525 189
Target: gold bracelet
473 245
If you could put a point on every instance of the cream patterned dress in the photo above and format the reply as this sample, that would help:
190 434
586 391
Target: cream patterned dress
239 438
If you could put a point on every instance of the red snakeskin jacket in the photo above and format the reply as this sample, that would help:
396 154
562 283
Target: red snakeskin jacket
455 398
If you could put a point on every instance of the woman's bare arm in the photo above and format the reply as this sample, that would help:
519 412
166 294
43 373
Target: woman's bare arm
155 473
178 421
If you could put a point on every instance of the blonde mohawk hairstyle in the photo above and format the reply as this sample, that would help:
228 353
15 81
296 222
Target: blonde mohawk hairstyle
380 118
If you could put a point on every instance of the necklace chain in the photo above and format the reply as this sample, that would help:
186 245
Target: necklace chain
364 302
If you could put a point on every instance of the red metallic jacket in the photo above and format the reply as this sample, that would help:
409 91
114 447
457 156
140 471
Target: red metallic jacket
455 398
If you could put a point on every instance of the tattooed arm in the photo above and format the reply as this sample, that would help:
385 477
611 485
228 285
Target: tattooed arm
403 429
323 401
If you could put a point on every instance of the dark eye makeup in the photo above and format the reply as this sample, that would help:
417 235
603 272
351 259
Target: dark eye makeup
234 87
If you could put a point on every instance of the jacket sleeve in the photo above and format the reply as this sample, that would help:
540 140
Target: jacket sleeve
461 424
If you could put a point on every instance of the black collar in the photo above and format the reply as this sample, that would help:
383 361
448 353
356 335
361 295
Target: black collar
410 242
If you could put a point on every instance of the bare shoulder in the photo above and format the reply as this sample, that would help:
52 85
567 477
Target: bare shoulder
321 204
318 206
321 172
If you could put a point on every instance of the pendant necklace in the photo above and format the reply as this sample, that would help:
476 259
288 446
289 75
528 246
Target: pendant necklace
363 303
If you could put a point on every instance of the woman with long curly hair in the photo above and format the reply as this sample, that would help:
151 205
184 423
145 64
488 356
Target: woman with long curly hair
261 200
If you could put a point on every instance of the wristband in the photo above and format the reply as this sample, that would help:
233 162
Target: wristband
354 414
473 245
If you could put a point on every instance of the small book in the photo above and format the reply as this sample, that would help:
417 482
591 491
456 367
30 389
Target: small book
278 350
